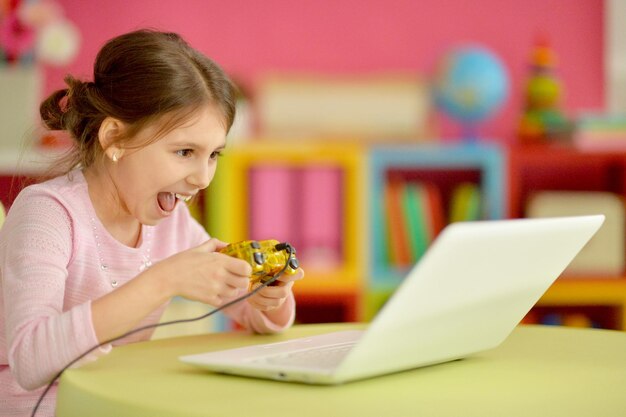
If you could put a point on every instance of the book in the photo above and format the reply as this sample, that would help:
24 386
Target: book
601 132
465 203
399 255
272 212
320 215
415 213
435 217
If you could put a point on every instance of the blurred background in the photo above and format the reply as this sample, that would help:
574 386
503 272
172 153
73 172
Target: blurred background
356 37
371 111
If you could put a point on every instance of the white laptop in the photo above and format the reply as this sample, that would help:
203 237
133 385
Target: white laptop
466 294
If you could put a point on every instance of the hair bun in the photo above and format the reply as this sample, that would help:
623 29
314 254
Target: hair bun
52 110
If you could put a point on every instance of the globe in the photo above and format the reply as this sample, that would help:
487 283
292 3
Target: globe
470 84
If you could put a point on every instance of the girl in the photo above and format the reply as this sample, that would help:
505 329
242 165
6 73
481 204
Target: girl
95 252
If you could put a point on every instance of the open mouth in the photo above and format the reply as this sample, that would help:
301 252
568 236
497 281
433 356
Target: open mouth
167 201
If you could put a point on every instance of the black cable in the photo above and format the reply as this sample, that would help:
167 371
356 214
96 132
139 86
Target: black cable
289 250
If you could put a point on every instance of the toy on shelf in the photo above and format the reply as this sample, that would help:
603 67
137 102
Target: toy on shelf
543 119
266 257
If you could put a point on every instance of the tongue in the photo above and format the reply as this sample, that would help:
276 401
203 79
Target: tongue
167 201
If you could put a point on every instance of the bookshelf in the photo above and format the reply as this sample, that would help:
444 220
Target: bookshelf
442 167
507 178
348 274
445 167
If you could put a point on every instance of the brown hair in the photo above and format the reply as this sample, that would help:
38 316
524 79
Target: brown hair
140 77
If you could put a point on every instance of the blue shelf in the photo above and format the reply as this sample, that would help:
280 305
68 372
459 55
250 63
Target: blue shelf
485 158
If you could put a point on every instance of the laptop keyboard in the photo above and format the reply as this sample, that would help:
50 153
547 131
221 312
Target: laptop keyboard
324 357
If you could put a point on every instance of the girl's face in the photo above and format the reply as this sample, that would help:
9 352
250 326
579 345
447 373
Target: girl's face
151 180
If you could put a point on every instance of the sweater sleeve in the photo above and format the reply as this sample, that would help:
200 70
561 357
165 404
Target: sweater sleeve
41 337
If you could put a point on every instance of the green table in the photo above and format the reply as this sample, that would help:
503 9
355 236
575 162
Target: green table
537 371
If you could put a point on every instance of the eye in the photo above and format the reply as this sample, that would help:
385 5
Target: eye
185 153
215 154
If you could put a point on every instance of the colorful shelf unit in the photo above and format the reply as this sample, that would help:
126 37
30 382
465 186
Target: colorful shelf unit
309 195
444 167
600 299
341 187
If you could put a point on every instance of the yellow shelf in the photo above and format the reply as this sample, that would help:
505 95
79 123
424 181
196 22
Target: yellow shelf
329 281
586 291
229 209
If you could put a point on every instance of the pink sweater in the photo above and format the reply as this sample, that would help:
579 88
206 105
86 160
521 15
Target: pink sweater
55 257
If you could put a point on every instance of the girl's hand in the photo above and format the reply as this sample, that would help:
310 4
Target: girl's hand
202 274
272 297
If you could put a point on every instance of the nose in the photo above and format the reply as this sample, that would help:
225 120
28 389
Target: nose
202 175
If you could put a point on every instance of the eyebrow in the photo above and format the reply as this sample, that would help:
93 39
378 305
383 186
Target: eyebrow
195 145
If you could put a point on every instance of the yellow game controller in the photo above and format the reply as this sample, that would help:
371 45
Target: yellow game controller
266 257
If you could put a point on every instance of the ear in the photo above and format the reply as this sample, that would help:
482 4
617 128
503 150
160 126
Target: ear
110 130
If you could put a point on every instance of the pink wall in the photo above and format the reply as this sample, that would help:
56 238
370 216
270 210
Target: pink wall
249 38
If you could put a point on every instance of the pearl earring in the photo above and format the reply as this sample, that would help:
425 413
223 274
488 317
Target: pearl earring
114 157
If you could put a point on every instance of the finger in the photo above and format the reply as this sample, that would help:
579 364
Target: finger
210 245
256 305
237 283
281 291
219 244
266 304
237 266
232 292
290 278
